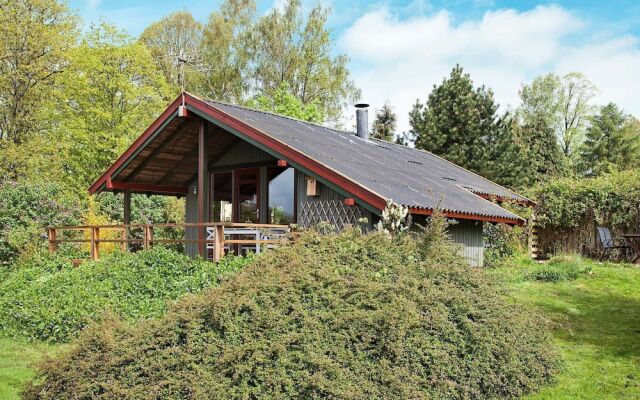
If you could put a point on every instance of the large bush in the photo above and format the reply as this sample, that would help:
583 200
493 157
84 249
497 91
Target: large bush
46 298
27 209
348 316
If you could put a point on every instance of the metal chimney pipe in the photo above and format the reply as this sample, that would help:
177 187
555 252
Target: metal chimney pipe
362 121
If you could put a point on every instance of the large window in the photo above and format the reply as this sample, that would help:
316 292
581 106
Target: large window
281 195
222 197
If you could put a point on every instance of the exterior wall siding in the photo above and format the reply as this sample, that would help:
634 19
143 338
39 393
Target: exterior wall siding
469 234
191 216
242 153
326 206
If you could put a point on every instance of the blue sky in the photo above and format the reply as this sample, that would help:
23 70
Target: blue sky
400 48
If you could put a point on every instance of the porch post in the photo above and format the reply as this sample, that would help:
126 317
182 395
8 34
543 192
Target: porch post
203 187
126 219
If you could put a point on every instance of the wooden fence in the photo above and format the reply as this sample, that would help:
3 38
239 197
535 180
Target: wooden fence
210 236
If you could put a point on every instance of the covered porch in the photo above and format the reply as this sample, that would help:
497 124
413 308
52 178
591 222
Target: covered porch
238 197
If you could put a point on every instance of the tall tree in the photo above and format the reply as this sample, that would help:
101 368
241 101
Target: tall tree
178 36
562 104
111 92
384 125
455 121
228 51
612 142
295 49
283 102
35 35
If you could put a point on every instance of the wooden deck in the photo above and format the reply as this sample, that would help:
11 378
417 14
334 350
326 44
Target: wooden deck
216 237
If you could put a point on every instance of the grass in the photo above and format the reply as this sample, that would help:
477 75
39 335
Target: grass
595 309
596 320
16 360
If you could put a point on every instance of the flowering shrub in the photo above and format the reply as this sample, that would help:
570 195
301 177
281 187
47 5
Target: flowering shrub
394 219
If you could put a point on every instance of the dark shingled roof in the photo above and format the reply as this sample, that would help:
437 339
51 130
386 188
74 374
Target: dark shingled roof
414 178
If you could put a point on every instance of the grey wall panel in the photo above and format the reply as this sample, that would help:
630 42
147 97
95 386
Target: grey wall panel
469 234
191 216
243 153
325 195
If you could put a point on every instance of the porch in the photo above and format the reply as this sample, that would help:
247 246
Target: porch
219 238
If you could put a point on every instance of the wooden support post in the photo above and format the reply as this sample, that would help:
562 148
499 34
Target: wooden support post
53 244
126 218
218 248
203 187
95 243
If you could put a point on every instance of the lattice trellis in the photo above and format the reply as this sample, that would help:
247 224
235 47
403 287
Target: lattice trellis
333 212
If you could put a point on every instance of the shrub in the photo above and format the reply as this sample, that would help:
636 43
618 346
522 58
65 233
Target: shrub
560 268
500 242
46 298
346 316
27 209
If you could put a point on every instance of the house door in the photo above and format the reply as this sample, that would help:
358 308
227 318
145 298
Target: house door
247 201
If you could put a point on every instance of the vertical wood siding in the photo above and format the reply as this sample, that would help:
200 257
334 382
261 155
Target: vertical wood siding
191 216
469 235
242 153
324 194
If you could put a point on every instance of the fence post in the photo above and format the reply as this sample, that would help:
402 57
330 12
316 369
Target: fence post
218 248
147 237
95 243
124 246
53 244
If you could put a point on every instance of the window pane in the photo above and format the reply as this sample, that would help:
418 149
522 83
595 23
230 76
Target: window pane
281 195
221 204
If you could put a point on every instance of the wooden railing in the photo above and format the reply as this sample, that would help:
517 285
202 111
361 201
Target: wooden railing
213 237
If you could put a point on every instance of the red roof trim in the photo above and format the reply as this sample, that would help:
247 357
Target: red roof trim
102 180
475 217
287 152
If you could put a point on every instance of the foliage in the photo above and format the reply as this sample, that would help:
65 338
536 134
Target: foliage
35 37
560 268
348 316
456 121
394 219
283 102
110 94
177 35
501 241
611 199
384 125
144 209
27 209
561 104
612 142
46 298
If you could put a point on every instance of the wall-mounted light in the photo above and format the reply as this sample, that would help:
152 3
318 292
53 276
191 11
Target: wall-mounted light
194 188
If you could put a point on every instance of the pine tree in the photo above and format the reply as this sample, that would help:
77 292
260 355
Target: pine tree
384 126
456 121
612 142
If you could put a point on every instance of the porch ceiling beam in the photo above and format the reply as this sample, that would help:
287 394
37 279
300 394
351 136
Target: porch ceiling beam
187 157
165 143
147 187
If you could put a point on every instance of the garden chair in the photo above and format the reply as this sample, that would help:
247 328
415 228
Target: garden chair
608 243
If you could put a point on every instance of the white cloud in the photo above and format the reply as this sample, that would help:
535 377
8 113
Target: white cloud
93 4
401 59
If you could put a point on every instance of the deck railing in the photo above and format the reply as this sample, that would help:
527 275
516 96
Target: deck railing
216 237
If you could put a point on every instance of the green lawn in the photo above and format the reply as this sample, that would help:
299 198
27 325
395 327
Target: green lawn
16 358
597 328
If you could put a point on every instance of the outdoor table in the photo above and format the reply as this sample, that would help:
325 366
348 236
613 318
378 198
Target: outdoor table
634 242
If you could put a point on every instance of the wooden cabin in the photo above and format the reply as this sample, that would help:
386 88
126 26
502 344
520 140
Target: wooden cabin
238 165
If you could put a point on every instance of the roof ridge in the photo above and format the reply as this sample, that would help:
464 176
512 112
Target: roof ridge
208 99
